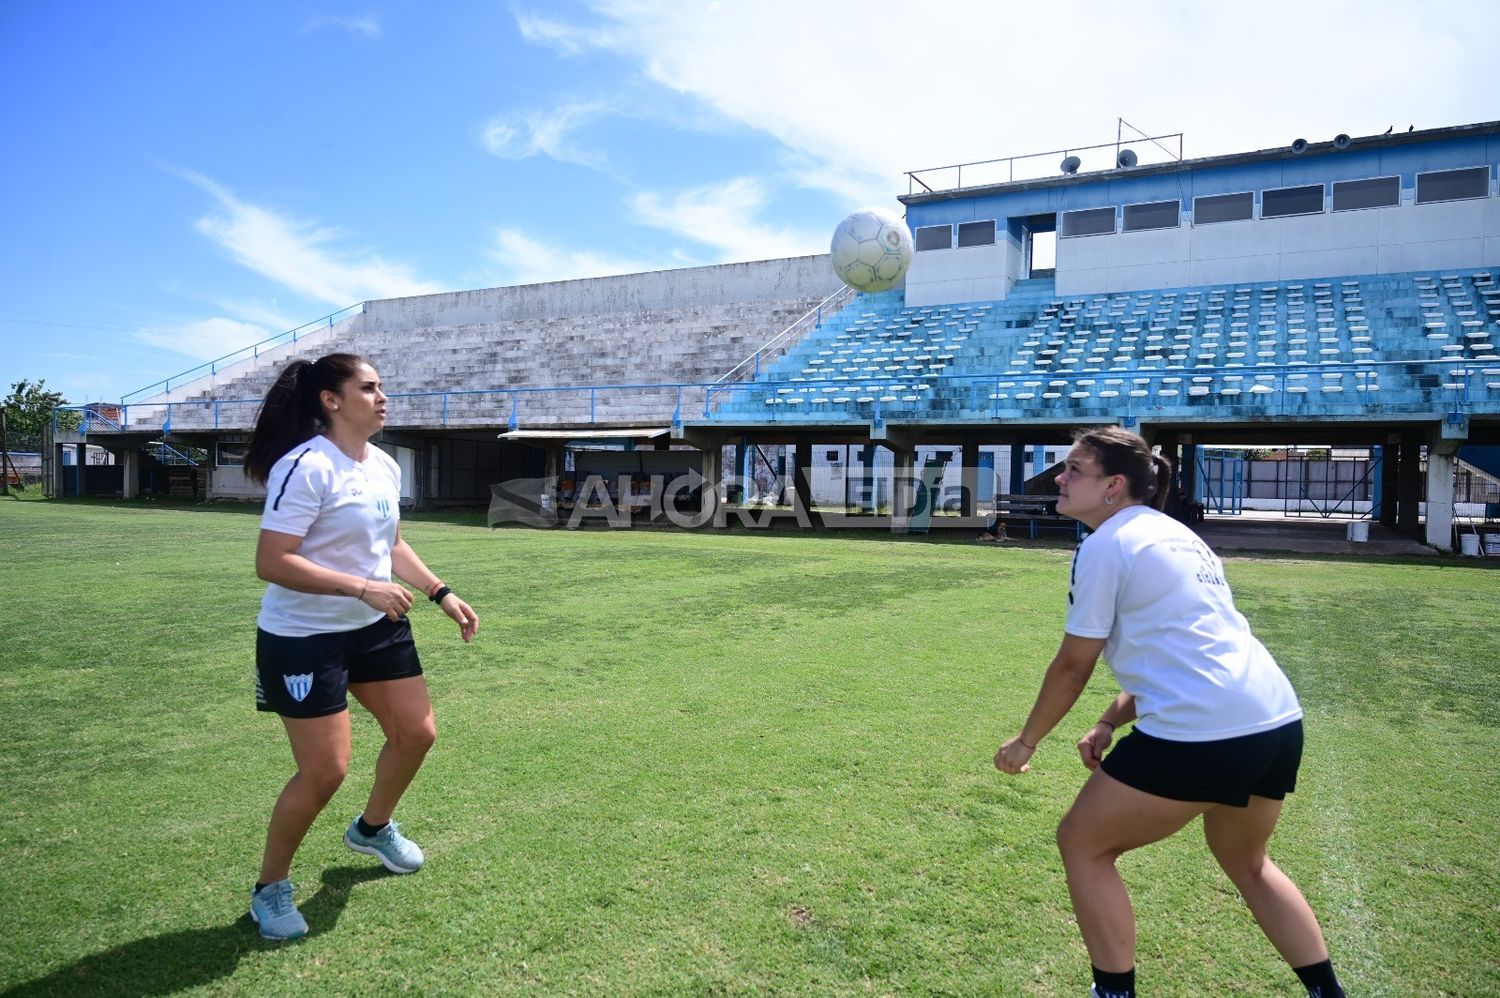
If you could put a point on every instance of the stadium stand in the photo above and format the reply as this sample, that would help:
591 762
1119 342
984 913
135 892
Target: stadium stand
1329 293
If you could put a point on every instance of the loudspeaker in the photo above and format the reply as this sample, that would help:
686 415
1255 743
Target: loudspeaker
1071 164
1126 158
1299 146
1341 141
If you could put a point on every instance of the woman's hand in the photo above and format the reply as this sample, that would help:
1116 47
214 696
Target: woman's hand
390 598
1013 755
1092 745
463 613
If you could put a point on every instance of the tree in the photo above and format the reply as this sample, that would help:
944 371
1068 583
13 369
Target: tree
28 412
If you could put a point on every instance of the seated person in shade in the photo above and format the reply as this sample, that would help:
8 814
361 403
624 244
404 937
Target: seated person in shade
994 531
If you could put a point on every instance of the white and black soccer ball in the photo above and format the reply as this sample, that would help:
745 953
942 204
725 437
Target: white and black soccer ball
871 250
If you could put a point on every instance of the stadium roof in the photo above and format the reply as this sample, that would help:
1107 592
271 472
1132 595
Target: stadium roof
1362 143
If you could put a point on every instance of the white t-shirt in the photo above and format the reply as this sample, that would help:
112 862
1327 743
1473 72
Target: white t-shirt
346 513
1175 642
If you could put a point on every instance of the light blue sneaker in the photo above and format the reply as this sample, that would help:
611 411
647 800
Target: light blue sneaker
271 908
395 851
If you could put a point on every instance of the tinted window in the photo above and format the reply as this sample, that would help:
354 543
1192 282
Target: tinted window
1223 208
1292 201
976 233
931 237
1092 222
1453 185
1158 215
1382 192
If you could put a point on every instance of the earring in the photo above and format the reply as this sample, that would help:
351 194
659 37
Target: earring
1109 500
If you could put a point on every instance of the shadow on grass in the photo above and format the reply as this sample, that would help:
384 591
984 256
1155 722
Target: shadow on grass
176 961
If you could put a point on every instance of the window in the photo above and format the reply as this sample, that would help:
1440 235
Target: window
1090 222
933 237
1157 215
1292 201
1382 192
831 456
1223 208
1453 185
230 454
976 233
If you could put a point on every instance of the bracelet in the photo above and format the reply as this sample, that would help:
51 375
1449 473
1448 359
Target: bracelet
441 594
434 588
1029 747
1103 721
363 589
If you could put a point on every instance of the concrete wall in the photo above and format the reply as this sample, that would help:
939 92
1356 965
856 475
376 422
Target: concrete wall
969 273
1448 235
764 280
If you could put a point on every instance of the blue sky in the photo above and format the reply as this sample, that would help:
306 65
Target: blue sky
184 178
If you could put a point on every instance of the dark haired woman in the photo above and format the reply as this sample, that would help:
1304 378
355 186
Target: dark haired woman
1218 728
332 621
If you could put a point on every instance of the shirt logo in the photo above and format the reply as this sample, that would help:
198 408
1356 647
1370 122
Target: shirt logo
384 506
299 686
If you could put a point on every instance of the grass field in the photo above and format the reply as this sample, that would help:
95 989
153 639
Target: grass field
703 763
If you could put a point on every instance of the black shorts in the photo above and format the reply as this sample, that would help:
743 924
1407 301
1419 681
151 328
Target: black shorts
310 677
1227 771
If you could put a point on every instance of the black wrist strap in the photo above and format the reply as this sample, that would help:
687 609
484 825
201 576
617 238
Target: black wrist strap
437 597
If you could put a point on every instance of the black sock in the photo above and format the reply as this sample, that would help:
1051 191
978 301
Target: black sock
1115 985
1319 980
257 888
365 828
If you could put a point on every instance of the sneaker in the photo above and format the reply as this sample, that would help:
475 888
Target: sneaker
395 851
271 908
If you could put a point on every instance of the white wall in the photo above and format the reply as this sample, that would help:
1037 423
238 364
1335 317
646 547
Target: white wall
1453 234
969 273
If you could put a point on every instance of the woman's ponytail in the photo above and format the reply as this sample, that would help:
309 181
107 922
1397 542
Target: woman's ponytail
1163 480
287 417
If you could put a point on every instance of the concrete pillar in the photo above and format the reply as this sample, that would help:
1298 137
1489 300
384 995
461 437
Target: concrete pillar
969 469
1189 470
1409 485
903 492
82 461
1017 469
802 470
130 474
1390 463
711 467
1441 457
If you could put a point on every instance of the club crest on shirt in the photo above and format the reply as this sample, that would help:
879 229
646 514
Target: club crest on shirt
384 506
299 686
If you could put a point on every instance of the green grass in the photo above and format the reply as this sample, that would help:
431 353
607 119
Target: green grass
707 764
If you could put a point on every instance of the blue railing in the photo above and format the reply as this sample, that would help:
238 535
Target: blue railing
244 353
1441 389
783 341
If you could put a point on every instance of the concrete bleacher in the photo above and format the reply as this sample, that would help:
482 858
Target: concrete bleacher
474 359
1413 342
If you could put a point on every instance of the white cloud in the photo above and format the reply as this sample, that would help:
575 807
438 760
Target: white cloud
523 134
205 339
858 103
725 217
524 260
366 26
299 255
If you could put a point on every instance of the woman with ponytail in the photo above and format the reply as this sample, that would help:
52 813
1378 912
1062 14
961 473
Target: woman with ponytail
1218 728
333 620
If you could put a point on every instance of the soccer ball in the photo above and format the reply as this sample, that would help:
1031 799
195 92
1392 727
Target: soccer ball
871 250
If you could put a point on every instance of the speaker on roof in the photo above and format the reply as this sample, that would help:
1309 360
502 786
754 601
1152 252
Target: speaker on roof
1341 141
1299 146
1126 158
1071 164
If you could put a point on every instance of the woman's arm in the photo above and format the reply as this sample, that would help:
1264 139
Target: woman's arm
1094 741
277 560
407 566
1066 677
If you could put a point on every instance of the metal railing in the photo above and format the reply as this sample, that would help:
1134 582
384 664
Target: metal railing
1452 390
783 340
1006 165
250 352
